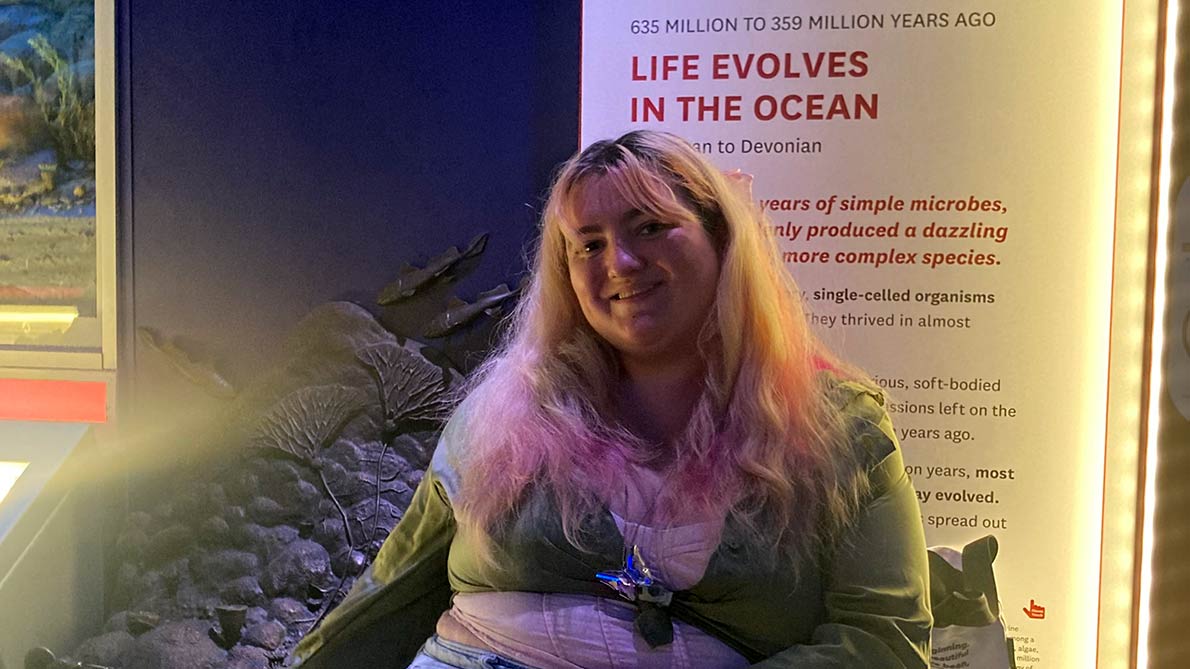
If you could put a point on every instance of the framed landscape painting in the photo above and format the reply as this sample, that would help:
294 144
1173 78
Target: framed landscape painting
57 241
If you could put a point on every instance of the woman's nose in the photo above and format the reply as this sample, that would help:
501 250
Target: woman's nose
624 259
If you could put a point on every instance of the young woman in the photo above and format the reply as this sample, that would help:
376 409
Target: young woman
661 466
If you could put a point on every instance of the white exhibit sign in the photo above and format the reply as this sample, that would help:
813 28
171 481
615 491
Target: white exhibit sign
943 184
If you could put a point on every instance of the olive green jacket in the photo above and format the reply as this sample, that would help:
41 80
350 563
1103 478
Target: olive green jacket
864 603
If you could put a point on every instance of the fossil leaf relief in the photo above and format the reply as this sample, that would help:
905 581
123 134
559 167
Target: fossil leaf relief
308 420
410 388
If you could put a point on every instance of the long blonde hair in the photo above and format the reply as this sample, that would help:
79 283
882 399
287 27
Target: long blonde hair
764 438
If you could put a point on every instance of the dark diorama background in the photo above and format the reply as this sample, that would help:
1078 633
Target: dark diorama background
279 154
275 156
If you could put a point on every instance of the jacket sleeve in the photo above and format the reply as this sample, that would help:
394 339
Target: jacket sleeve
395 604
877 582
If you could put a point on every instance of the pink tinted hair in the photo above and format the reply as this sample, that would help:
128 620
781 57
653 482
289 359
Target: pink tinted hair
765 439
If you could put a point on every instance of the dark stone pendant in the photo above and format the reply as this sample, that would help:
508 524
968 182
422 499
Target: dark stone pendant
654 624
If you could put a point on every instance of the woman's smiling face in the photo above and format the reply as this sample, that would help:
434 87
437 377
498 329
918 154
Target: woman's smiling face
645 284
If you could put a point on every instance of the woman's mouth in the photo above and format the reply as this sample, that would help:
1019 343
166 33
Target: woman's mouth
634 292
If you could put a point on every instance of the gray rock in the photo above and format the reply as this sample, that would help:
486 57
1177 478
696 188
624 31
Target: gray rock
373 547
243 486
192 600
329 533
413 480
250 536
247 657
225 565
351 455
256 614
235 515
349 482
327 509
289 611
338 479
131 544
261 466
377 519
268 635
215 498
277 539
283 471
267 542
139 622
129 585
301 564
336 328
417 450
398 495
135 586
107 649
396 462
244 590
117 622
179 568
169 543
215 531
179 643
186 505
349 562
298 497
267 512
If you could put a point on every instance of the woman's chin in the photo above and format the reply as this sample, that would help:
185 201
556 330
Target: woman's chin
655 349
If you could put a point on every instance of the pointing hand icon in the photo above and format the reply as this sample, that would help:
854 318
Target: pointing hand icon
1034 611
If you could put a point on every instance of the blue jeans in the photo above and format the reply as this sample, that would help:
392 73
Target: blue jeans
439 653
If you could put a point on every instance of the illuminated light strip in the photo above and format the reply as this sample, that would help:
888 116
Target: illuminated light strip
40 399
1118 531
1160 268
9 314
36 319
9 473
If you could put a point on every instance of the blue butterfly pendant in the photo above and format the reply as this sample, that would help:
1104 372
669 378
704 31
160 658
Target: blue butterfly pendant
635 583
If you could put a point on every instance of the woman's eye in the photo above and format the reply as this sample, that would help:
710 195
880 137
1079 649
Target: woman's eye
591 246
651 228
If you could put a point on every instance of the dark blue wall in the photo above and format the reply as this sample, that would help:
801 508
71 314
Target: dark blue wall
281 153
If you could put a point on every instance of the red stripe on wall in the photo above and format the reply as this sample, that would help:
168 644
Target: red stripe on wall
39 399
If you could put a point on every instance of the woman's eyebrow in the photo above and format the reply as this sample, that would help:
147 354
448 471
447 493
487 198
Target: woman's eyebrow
634 213
629 216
